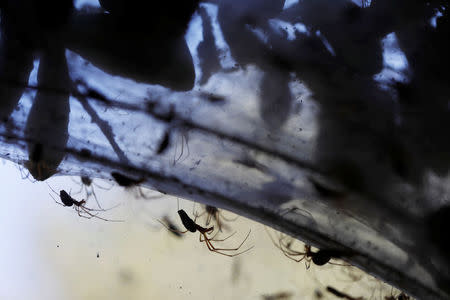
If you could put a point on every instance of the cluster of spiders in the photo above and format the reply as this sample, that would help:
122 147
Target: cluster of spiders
212 214
208 234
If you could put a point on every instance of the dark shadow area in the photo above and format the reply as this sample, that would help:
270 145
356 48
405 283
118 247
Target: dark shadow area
377 74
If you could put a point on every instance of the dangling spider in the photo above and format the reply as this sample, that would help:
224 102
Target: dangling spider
319 258
79 206
191 226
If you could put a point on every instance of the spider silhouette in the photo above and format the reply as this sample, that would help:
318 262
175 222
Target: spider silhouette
319 258
191 226
79 206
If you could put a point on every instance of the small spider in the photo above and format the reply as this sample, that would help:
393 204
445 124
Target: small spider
319 258
79 206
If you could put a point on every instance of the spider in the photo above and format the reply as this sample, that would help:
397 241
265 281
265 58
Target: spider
79 206
319 258
191 226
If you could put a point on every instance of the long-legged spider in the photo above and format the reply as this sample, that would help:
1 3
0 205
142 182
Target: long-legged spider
191 226
79 206
319 258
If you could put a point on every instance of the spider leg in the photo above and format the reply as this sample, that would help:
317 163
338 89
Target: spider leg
229 249
220 225
229 219
80 184
208 219
181 153
278 245
55 200
221 240
147 197
24 174
288 253
182 148
103 209
75 181
342 265
175 160
89 215
235 254
103 187
52 188
209 232
87 211
195 214
186 139
291 255
95 197
307 263
217 250
287 249
199 215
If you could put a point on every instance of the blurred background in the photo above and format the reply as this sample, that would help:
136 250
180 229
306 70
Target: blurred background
49 252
